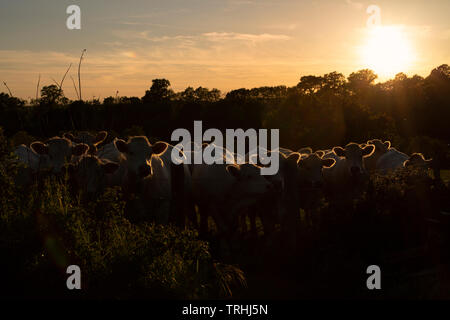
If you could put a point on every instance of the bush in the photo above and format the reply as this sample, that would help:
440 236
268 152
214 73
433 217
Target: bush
46 229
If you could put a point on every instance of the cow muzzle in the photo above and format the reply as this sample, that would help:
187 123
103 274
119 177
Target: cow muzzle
355 171
144 171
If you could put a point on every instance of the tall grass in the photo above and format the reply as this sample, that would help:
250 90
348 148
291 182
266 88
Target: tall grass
46 228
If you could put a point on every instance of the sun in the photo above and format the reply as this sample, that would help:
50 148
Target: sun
387 51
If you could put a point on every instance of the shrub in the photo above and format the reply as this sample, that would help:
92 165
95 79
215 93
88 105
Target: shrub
46 229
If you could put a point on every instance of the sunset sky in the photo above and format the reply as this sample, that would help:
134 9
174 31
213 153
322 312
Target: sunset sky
226 44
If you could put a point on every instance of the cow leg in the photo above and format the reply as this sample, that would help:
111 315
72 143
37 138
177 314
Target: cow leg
177 211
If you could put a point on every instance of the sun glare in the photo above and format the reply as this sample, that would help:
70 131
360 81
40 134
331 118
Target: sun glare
387 51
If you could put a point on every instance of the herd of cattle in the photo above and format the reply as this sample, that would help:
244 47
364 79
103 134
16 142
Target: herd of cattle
168 192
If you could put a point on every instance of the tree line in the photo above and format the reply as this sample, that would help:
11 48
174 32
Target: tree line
320 111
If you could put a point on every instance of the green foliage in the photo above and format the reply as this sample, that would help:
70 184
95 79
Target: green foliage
46 228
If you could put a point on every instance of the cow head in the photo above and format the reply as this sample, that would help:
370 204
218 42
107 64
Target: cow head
91 140
249 180
277 179
90 174
59 151
354 154
138 152
380 146
320 153
310 170
306 150
418 161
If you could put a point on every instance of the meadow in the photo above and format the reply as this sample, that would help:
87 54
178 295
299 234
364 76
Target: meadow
401 222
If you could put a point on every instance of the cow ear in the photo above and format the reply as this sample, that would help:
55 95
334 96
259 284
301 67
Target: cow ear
368 150
328 163
39 147
100 137
306 150
282 155
387 144
121 145
294 157
92 150
234 170
69 136
110 167
340 152
320 153
159 148
80 149
406 163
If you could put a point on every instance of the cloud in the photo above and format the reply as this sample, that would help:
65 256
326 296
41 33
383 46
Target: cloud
290 26
227 36
207 36
226 60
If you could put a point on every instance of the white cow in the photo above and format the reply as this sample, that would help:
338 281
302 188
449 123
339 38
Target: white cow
303 180
33 162
92 175
110 152
224 191
381 148
59 151
91 140
155 178
348 174
305 150
297 182
394 159
418 161
285 151
391 160
31 159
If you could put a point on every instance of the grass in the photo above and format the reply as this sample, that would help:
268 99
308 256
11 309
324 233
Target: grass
45 229
445 176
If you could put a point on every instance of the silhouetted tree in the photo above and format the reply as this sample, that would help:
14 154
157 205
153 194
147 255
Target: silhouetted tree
333 81
159 91
310 84
361 79
52 94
